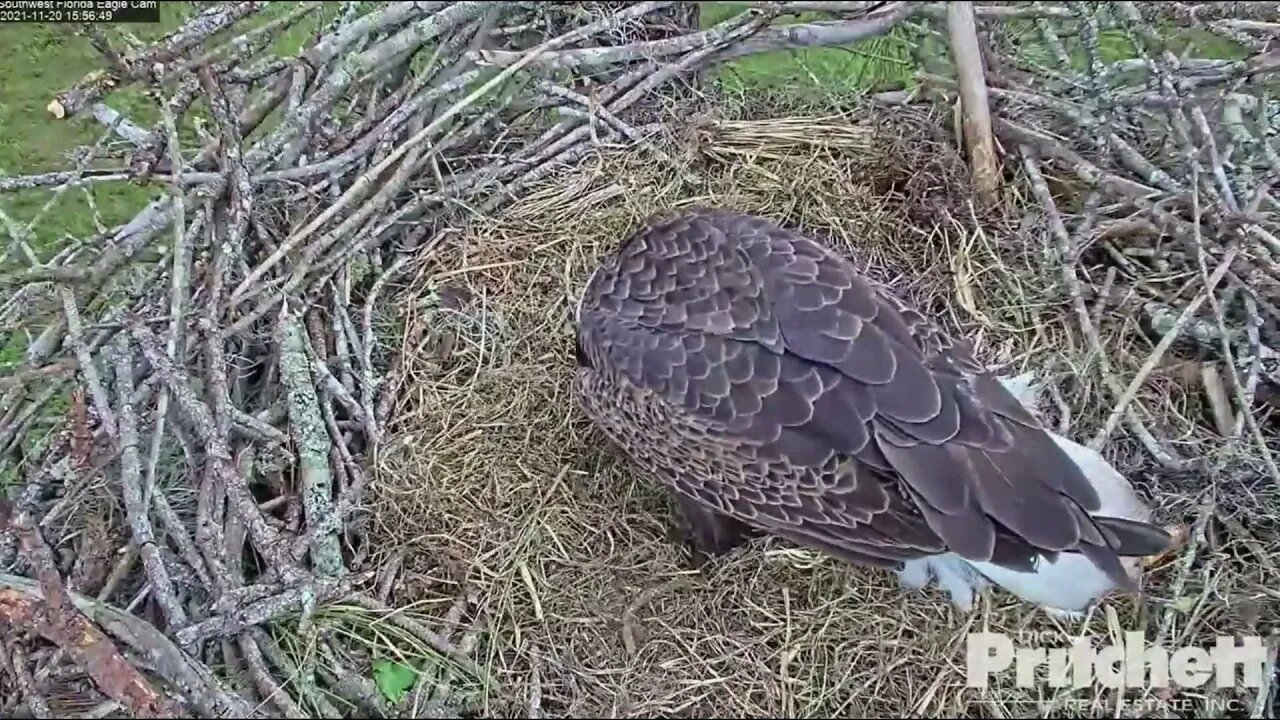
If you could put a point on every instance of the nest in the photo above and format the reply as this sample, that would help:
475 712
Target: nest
495 486
296 438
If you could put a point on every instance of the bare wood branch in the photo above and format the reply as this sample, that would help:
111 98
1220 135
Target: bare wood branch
976 110
177 668
96 85
58 619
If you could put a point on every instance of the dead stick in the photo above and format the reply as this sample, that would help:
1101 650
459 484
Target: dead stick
1062 240
60 622
1165 342
91 650
973 101
198 683
1216 394
362 184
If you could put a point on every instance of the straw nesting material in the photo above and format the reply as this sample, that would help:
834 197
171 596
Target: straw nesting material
495 486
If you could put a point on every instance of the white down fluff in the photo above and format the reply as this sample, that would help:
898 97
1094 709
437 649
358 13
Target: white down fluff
1066 587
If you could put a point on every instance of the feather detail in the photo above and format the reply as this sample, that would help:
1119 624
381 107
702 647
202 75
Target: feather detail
763 378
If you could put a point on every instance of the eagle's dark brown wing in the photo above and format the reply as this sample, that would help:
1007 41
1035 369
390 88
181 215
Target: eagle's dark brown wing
863 428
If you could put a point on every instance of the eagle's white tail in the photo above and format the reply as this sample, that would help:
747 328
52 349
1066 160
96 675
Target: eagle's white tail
1066 586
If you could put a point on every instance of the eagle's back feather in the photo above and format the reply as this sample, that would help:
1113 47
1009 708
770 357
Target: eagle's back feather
760 375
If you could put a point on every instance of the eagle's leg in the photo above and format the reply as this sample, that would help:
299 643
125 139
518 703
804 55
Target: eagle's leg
1063 615
954 576
708 532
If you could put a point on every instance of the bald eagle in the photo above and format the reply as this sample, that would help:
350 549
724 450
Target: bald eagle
775 390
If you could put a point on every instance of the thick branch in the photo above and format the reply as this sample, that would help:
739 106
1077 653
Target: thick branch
973 102
311 439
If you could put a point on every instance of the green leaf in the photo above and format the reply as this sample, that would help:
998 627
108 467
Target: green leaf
393 678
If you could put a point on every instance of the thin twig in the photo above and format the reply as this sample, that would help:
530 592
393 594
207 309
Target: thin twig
1157 354
1062 241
